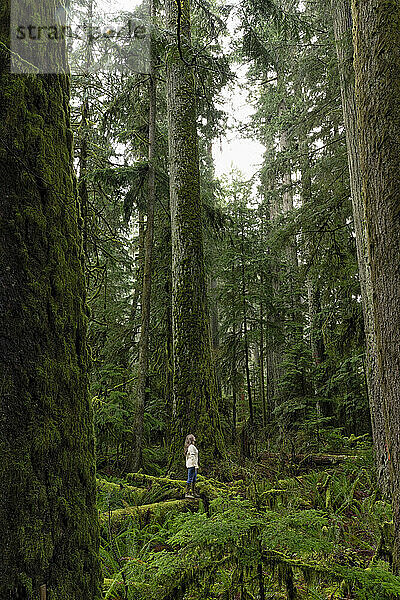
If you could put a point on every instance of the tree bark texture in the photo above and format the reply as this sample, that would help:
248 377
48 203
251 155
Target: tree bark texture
245 332
143 361
377 84
195 399
48 517
342 25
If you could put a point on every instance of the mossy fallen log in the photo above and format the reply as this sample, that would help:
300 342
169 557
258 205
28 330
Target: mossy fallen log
305 460
369 579
204 487
148 481
146 513
108 486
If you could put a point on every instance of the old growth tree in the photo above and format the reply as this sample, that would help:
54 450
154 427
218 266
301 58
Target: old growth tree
48 516
377 63
195 400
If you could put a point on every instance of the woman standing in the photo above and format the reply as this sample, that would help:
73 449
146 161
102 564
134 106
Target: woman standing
192 464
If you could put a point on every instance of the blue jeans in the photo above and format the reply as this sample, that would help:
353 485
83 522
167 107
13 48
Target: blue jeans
192 474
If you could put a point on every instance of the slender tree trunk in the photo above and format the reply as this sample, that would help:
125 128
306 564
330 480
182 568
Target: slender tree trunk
143 361
265 408
48 516
169 351
234 373
234 411
83 164
314 311
138 274
213 284
245 334
214 321
342 24
195 398
287 197
313 294
377 64
273 350
84 141
260 576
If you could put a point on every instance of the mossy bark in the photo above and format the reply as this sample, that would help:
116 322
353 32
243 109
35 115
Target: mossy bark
48 519
376 36
194 386
146 513
143 350
342 25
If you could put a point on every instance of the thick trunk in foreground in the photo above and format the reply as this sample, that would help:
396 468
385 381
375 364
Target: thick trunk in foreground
195 401
377 82
342 24
48 517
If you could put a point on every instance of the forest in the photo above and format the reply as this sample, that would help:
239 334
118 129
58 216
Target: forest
148 300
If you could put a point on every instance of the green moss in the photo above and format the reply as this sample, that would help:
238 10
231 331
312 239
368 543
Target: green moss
146 513
48 514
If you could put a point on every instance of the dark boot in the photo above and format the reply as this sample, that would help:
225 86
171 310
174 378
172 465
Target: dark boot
188 493
194 493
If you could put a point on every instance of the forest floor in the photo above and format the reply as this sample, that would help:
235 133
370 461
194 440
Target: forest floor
307 526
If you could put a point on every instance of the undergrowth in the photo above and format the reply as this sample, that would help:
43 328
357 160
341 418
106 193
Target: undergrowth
324 535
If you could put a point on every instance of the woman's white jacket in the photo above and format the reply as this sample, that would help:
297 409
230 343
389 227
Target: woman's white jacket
192 457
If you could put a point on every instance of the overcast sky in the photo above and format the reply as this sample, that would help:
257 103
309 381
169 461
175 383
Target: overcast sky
232 150
235 151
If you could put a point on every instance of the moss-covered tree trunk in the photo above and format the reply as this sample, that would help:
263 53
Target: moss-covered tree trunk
377 82
48 519
194 387
143 359
245 326
342 25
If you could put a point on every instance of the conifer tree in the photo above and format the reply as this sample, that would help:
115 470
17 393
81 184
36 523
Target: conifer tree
342 25
48 515
377 63
194 386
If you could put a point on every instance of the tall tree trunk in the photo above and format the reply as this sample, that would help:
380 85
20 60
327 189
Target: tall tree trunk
313 293
138 275
377 83
265 407
83 164
48 516
245 334
234 373
274 345
195 398
143 361
84 141
287 194
213 292
214 321
314 311
342 24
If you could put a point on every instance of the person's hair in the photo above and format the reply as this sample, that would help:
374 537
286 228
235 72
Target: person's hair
189 440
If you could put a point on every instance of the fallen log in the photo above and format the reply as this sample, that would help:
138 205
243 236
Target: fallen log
142 515
205 487
108 486
305 460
